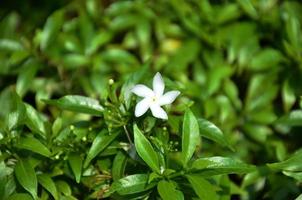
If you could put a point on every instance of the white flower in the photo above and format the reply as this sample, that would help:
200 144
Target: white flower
154 99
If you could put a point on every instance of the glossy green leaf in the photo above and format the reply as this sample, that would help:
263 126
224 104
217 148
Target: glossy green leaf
131 184
75 162
203 188
78 103
47 182
145 149
26 176
220 165
119 165
167 190
190 136
102 140
34 145
212 132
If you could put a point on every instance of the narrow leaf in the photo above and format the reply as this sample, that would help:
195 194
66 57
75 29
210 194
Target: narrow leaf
75 162
145 149
220 165
190 136
34 120
26 176
118 166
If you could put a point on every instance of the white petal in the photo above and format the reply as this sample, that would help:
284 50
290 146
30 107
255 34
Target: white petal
158 112
142 91
169 97
158 85
142 107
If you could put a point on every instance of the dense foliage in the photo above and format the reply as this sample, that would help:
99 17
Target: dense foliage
67 124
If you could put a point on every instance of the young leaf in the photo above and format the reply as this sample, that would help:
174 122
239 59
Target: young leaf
101 141
202 187
190 136
34 145
77 103
75 162
167 190
220 165
131 184
46 181
26 176
145 149
212 132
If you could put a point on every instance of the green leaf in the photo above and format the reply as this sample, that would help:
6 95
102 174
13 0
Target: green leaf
220 165
293 164
167 190
145 149
131 184
288 95
34 120
202 187
26 176
248 7
19 196
75 162
101 141
118 166
190 136
78 103
294 118
46 181
51 29
212 132
26 76
34 145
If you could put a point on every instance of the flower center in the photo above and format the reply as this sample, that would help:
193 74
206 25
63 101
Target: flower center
153 99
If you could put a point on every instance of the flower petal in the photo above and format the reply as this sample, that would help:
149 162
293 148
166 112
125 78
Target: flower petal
158 85
142 90
168 98
158 112
142 107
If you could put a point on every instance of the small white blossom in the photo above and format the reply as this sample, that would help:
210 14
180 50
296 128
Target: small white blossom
154 99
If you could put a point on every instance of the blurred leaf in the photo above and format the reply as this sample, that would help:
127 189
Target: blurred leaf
293 163
102 140
26 76
10 45
145 149
34 121
265 59
220 165
19 196
294 118
46 181
77 103
288 96
248 8
51 29
26 176
190 136
204 189
34 145
167 190
75 162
